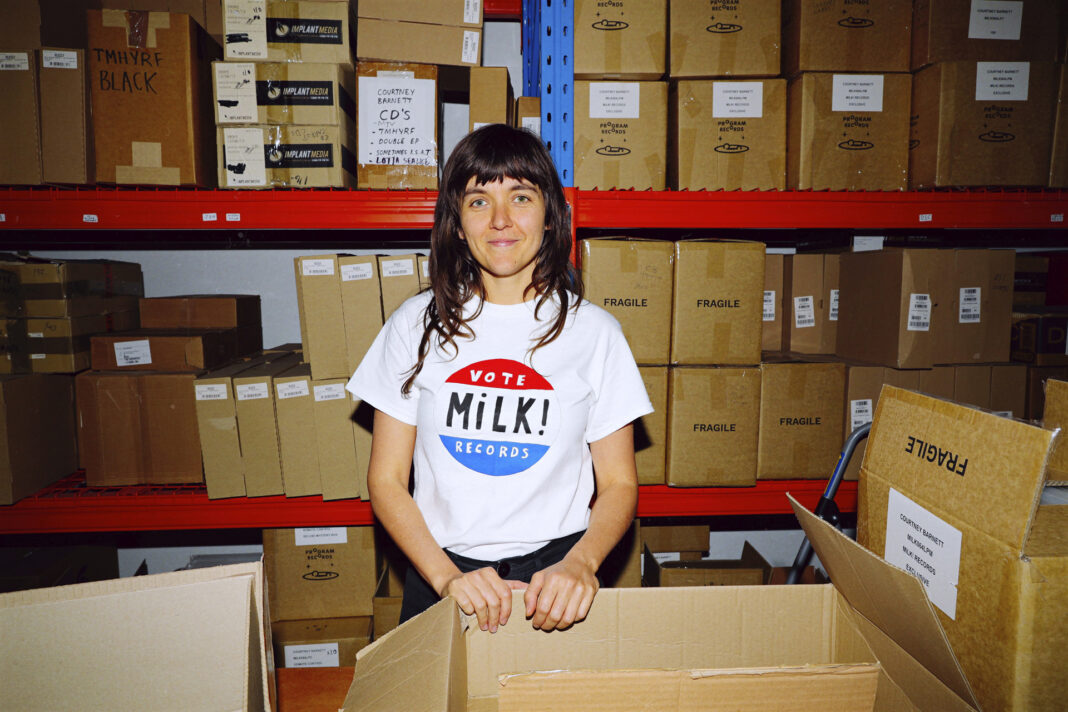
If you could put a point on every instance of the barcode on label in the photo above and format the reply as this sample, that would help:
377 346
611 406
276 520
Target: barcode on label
292 389
133 353
317 268
970 310
252 391
832 314
769 305
210 391
860 412
804 312
802 323
919 316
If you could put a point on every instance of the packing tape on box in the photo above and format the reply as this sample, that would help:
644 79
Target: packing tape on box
727 49
797 382
717 387
715 260
721 338
654 166
147 166
140 25
610 175
685 168
628 257
613 48
801 459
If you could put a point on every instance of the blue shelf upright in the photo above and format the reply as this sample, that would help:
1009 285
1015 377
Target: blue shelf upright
547 36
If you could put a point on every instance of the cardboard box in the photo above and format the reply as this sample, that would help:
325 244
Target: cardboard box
66 140
387 41
298 444
193 8
620 135
138 428
387 606
25 568
398 125
33 24
981 305
962 30
209 311
361 302
163 349
14 351
952 494
998 388
1037 378
800 420
287 156
632 279
62 344
1058 167
321 310
37 433
796 647
324 572
68 288
985 123
895 307
622 568
626 39
1039 338
528 114
1055 415
1029 281
492 100
771 338
749 570
150 65
258 426
863 386
442 12
289 31
728 135
713 414
320 642
682 538
650 431
283 93
845 36
399 279
810 301
811 575
848 131
20 125
130 638
721 39
336 444
719 288
423 270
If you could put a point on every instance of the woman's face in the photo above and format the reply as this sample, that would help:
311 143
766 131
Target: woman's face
503 224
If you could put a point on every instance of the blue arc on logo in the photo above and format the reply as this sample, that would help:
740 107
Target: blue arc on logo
493 457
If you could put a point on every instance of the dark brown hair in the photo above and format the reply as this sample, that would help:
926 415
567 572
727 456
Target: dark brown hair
489 154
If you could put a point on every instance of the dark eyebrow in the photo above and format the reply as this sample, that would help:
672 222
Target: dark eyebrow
513 186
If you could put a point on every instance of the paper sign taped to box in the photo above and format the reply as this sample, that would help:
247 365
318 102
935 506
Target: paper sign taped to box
397 121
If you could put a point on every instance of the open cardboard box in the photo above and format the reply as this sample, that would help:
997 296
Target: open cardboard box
188 640
869 642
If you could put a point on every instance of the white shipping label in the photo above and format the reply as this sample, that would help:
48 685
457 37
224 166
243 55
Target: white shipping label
36 334
245 161
396 121
469 50
927 547
867 243
970 298
235 91
737 100
252 391
317 655
769 305
210 391
995 20
313 536
665 556
479 124
804 312
857 92
472 11
34 357
832 313
330 392
533 124
14 62
615 100
317 268
245 27
919 318
425 264
59 59
356 272
860 413
133 353
1002 81
398 268
292 389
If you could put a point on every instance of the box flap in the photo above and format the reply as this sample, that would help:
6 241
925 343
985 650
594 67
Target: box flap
891 599
1049 533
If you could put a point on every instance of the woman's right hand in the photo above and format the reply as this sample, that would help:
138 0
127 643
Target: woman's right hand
484 594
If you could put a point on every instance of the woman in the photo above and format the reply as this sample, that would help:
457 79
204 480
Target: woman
513 395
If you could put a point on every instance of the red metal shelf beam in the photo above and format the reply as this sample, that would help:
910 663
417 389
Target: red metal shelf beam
767 497
502 9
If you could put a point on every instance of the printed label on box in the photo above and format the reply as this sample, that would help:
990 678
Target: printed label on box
832 313
330 392
970 298
919 312
353 273
396 122
615 100
663 557
252 391
769 305
857 92
860 413
313 536
245 26
925 546
398 268
533 124
243 157
210 391
472 11
235 87
317 655
292 389
36 334
59 59
804 312
316 268
1002 81
133 353
469 51
995 20
285 30
425 268
479 124
867 243
737 100
14 62
34 357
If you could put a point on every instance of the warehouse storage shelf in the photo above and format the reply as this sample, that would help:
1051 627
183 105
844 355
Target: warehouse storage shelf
72 506
333 209
502 9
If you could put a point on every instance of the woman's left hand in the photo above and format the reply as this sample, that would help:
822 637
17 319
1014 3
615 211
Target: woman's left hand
561 594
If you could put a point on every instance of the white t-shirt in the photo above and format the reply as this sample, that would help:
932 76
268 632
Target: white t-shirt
502 462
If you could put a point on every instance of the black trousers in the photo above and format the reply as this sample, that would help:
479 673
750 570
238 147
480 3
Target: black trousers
419 595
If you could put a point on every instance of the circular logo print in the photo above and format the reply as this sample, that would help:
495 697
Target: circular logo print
274 155
731 148
856 23
281 29
610 25
320 575
996 136
274 92
856 145
613 150
497 417
723 28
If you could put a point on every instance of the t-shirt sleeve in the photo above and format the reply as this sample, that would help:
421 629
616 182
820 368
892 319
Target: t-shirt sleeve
621 396
383 370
